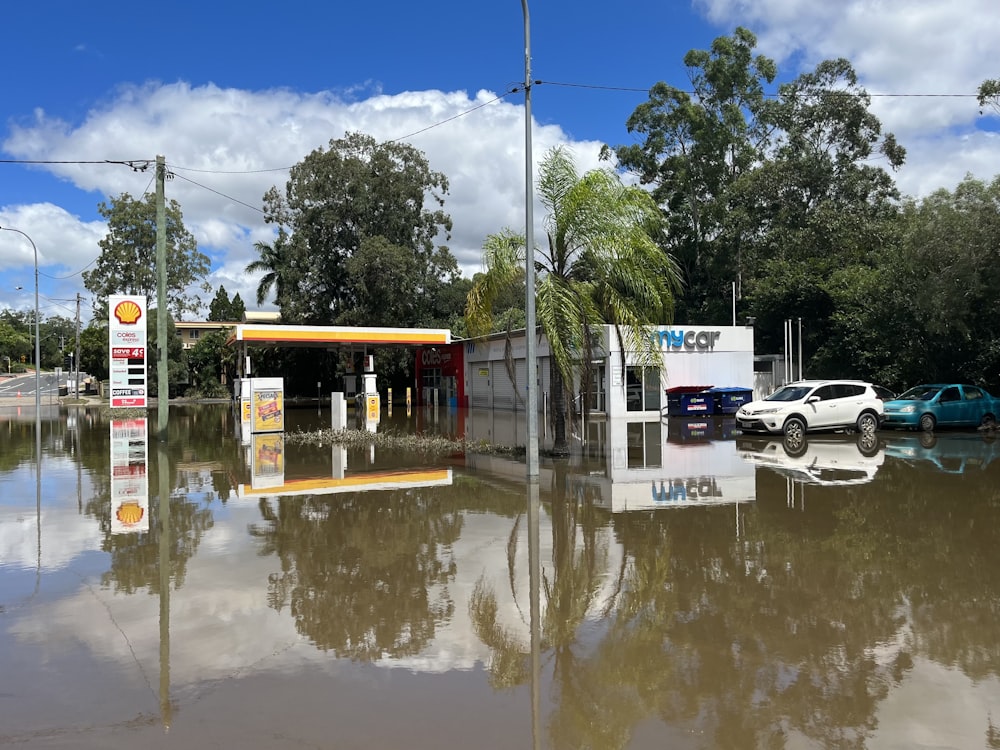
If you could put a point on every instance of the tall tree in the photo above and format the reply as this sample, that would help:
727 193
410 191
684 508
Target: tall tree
127 263
696 146
225 310
601 265
335 200
823 207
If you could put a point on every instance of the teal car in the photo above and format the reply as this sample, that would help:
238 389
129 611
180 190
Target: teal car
926 407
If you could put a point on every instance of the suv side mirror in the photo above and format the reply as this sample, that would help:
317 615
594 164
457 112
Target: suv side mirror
813 399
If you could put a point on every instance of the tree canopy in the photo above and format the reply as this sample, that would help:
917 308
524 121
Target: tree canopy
346 208
127 263
600 265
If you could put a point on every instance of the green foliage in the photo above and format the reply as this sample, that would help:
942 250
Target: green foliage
989 94
356 203
127 264
94 350
746 181
226 310
601 265
177 367
212 365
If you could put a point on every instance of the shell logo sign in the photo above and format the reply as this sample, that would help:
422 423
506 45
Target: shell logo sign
127 312
127 350
130 513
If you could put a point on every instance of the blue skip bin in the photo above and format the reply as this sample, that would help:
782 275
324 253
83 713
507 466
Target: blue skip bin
729 400
690 401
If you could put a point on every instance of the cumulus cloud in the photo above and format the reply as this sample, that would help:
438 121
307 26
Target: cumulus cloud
226 147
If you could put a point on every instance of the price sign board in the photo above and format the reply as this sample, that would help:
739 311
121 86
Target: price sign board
127 350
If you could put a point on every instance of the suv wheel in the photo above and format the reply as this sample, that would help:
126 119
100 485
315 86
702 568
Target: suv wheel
867 423
795 428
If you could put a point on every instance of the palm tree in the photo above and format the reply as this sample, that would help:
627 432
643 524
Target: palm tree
602 265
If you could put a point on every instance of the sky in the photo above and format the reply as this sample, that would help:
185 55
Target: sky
232 96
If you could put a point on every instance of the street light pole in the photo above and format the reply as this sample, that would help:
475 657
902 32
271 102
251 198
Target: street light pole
38 358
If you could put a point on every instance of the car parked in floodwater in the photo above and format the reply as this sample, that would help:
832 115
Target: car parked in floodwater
926 407
814 405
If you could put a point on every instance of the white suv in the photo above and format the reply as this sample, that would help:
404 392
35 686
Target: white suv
812 405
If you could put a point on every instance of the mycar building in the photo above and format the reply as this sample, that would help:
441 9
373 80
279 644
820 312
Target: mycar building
693 356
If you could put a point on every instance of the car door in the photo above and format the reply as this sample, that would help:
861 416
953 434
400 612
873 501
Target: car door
848 398
821 411
974 405
950 406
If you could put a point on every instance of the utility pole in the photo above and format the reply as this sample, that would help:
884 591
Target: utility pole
163 387
76 355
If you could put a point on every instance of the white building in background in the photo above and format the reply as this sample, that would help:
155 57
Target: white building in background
707 356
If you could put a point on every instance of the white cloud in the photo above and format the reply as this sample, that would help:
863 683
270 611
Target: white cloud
227 147
914 48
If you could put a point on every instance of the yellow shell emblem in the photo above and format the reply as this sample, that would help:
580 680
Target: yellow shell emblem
129 513
127 312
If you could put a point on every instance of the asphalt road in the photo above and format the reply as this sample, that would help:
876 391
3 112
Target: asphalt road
22 387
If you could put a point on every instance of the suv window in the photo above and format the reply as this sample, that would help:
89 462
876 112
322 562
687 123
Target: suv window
849 390
825 392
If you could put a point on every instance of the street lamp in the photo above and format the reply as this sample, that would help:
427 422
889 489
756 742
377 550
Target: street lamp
38 358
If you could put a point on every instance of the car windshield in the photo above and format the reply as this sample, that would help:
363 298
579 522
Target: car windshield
920 393
790 393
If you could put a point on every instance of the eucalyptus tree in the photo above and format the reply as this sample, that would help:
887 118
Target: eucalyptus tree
824 207
696 145
127 263
337 199
601 264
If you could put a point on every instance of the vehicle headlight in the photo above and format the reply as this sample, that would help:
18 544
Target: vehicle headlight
908 409
766 411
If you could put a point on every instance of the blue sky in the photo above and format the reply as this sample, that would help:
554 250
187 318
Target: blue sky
233 95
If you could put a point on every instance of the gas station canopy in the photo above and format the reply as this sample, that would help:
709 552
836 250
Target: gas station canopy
331 336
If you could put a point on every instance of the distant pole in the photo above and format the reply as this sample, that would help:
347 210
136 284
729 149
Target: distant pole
163 386
38 356
801 376
76 355
531 364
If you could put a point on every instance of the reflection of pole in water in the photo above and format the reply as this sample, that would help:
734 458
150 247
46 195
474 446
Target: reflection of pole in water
534 576
163 469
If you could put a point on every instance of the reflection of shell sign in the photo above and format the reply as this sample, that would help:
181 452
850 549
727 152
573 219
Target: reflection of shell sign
129 513
127 312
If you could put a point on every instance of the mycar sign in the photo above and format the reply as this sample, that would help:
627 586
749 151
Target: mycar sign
689 340
127 349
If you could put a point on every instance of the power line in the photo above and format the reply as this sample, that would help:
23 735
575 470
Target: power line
646 90
213 190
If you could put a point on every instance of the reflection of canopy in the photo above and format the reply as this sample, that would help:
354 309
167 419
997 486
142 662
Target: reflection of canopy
302 336
374 480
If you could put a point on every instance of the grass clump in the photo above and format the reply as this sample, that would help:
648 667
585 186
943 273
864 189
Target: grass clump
413 443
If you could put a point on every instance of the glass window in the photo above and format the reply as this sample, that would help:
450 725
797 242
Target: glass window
950 394
825 392
642 389
972 393
633 389
651 381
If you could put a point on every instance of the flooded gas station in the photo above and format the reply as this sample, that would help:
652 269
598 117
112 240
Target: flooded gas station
679 584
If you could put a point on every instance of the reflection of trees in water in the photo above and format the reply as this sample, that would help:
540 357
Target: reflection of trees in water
193 434
364 575
747 638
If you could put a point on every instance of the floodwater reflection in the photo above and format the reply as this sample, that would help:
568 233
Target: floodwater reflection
672 584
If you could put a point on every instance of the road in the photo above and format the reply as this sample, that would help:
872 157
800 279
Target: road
22 387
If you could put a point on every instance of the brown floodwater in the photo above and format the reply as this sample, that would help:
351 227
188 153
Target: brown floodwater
674 584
